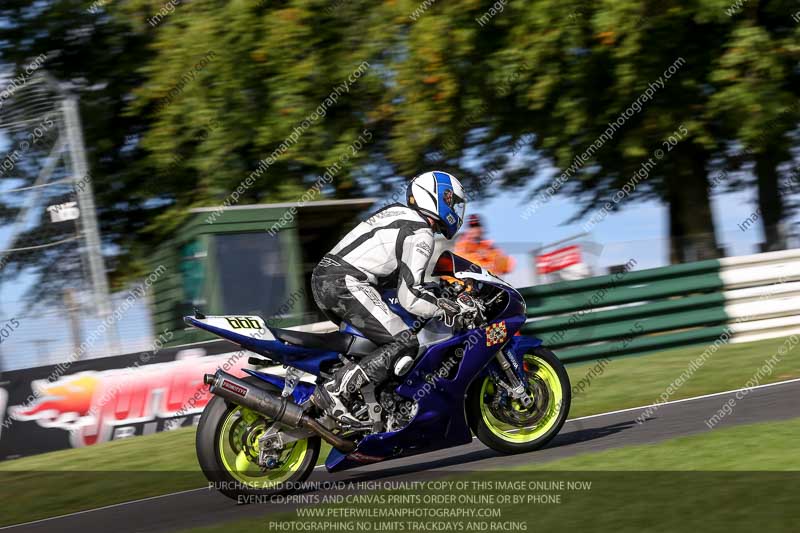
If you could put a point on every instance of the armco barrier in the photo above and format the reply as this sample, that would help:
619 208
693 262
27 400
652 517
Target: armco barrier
745 298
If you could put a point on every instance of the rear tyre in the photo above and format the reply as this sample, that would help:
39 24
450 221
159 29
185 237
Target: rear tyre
508 427
227 451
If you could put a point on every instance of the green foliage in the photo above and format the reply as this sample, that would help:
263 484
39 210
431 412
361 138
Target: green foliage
756 94
440 90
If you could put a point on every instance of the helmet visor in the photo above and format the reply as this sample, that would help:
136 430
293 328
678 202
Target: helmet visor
460 207
456 203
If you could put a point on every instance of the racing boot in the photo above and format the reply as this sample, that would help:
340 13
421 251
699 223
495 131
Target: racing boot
332 396
373 370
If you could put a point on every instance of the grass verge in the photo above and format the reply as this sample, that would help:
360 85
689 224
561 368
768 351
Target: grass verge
642 380
683 484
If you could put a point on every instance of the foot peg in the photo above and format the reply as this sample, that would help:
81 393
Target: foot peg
330 397
321 398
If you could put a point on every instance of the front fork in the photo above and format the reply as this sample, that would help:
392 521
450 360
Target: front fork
509 380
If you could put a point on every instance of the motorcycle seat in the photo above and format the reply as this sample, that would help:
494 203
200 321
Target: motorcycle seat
334 341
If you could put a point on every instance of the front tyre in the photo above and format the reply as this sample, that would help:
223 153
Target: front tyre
506 425
227 450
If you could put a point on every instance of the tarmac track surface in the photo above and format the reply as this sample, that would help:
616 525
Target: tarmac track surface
202 507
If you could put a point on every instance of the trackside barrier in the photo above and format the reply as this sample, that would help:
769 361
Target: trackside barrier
750 297
739 299
85 402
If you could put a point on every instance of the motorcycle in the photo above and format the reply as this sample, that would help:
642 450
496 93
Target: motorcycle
262 434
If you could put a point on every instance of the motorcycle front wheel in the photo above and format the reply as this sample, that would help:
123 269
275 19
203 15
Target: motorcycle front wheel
227 450
509 427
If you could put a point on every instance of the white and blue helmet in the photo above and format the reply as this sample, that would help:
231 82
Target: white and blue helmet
440 196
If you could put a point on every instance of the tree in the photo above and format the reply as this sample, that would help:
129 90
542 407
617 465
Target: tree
757 101
250 101
611 83
400 84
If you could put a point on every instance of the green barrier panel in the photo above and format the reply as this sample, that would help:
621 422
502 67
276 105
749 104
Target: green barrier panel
584 317
604 297
629 328
627 278
631 312
642 345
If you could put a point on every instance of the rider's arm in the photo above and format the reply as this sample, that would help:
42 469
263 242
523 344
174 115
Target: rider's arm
417 249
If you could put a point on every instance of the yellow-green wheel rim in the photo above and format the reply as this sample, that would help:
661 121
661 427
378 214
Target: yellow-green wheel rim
242 465
543 371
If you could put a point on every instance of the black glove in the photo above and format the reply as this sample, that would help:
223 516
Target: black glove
467 303
432 287
450 311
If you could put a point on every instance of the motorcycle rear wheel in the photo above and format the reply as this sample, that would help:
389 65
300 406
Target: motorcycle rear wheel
512 428
226 445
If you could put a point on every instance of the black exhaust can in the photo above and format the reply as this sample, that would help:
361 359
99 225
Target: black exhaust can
240 392
281 410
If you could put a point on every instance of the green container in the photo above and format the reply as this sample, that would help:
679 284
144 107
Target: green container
246 260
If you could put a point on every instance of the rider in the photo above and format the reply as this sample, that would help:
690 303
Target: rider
391 248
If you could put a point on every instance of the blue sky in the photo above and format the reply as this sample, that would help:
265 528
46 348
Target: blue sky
636 221
638 230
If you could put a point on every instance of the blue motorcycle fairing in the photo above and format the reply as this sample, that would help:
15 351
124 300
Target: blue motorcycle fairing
517 347
441 420
302 392
306 359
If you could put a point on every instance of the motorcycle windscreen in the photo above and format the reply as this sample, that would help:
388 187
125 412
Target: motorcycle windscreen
449 263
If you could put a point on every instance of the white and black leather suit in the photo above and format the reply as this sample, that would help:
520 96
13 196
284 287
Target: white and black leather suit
392 248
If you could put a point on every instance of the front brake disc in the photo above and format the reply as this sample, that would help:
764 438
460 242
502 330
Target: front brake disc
513 413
